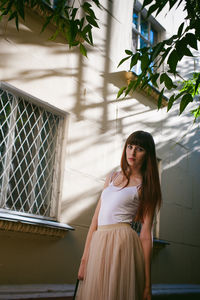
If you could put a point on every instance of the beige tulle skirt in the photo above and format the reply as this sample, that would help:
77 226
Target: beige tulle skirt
115 268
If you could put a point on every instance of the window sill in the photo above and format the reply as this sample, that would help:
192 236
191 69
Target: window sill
149 90
158 245
9 222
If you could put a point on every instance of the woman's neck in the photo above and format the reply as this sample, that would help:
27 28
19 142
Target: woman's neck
135 172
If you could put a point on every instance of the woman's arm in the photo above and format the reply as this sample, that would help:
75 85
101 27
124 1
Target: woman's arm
92 228
146 238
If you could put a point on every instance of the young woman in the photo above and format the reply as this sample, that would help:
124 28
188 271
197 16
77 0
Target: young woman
116 261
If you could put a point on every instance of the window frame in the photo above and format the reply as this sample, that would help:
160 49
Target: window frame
55 199
152 23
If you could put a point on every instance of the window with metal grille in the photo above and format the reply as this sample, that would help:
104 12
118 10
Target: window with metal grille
30 153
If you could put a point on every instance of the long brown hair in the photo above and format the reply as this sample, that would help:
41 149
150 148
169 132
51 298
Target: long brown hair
150 192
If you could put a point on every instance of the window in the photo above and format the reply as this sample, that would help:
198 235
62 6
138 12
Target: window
145 32
30 151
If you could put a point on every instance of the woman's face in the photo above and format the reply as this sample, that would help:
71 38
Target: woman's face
135 155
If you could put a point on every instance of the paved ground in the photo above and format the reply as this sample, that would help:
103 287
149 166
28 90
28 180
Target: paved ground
65 292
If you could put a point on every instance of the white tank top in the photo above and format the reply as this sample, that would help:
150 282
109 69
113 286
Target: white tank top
118 204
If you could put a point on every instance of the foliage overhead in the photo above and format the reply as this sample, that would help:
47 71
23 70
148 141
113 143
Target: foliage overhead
171 51
74 23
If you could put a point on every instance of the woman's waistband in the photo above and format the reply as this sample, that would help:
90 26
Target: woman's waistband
113 226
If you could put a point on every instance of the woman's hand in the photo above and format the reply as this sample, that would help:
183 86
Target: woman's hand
147 293
81 271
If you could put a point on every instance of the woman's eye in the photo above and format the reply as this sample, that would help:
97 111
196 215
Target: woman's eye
129 146
140 149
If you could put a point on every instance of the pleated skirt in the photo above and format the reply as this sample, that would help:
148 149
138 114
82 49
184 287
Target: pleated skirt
115 268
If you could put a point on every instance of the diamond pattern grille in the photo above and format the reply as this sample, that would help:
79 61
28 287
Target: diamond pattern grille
28 143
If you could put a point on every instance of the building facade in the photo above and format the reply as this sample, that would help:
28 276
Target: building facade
63 132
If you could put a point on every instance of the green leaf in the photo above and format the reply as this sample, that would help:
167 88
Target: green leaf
145 82
154 78
86 5
160 99
121 91
87 34
87 8
170 102
196 113
92 21
72 32
82 22
134 60
3 2
12 16
170 41
171 3
151 9
162 78
191 40
180 46
90 36
20 8
197 83
54 36
164 55
128 52
173 60
146 2
48 19
17 22
187 52
168 82
161 5
73 14
83 50
179 3
8 8
157 49
180 29
144 50
92 14
144 61
123 60
97 3
129 87
180 94
186 99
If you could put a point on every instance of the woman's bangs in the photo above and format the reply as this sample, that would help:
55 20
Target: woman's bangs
137 140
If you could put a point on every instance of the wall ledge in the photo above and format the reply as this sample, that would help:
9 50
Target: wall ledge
175 290
11 222
149 90
36 291
158 245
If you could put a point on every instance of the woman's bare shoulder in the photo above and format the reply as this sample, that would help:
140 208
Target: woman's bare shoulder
110 177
